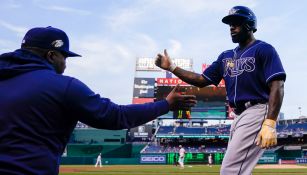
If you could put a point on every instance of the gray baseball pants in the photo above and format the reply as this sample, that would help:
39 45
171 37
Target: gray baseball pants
242 152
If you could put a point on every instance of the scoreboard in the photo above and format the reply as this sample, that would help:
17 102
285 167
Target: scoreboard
195 158
211 102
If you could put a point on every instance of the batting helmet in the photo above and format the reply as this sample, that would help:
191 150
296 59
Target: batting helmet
243 13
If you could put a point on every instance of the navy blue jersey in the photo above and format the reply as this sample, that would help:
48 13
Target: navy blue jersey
40 108
247 72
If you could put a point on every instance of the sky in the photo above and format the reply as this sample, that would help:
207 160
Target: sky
110 35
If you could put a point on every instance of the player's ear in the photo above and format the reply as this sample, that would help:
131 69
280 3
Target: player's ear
50 57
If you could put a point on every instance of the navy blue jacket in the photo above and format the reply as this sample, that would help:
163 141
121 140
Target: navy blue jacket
40 108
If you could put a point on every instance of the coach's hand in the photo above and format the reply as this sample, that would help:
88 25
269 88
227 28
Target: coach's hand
178 101
267 136
164 62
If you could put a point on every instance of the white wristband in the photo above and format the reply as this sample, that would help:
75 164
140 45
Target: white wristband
172 67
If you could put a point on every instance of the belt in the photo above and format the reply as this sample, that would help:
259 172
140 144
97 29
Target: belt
241 106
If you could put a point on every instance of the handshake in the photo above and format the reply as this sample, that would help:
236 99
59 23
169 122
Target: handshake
178 101
175 100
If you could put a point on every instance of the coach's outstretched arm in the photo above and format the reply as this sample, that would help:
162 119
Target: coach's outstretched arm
98 112
164 62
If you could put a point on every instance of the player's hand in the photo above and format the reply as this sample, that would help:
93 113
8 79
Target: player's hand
178 101
164 62
267 136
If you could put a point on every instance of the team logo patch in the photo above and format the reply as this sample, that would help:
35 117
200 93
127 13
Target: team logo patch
235 67
57 43
233 11
230 64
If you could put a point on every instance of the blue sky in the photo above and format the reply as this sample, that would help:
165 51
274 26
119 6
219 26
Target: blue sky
111 34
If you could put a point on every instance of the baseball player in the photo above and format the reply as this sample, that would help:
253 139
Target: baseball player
254 79
98 160
181 156
210 160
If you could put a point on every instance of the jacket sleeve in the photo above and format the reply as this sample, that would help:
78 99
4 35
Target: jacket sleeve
95 111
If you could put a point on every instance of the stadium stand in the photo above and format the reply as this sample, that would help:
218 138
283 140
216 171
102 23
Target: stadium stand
198 140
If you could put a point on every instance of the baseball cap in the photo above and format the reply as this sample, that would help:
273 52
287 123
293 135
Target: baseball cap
48 38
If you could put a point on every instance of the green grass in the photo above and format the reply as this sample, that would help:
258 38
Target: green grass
164 170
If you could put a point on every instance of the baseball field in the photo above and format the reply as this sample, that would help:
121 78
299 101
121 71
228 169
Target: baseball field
169 170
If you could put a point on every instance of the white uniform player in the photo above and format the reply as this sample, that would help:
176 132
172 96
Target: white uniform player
98 161
210 160
181 156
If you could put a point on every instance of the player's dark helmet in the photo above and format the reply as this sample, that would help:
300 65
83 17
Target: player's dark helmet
243 13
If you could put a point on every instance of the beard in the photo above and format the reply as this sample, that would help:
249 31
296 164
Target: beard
241 36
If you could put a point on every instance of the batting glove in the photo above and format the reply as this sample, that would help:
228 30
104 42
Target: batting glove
267 136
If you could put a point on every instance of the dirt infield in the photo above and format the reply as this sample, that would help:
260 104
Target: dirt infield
283 166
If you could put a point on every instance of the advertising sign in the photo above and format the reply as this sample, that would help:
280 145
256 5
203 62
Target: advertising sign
148 64
170 82
297 134
282 135
301 160
287 161
142 100
141 133
292 147
144 87
153 158
268 159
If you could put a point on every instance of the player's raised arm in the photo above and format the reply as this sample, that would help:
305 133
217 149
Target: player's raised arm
164 62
